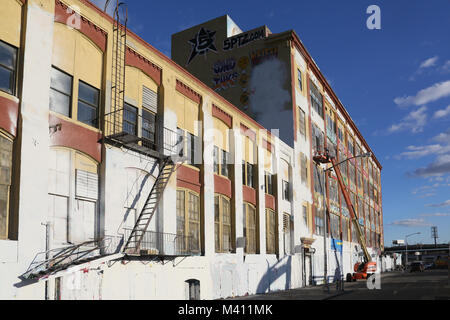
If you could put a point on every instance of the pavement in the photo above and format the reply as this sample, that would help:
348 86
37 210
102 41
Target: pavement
395 285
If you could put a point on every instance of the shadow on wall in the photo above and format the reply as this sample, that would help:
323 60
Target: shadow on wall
138 195
282 267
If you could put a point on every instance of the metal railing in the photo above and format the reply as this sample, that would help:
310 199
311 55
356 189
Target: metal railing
133 134
58 259
165 244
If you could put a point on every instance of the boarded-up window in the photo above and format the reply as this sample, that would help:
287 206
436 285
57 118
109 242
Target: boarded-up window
5 183
149 99
302 122
250 228
270 231
287 233
223 230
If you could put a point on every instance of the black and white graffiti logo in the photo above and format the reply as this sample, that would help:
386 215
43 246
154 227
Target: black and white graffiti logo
202 43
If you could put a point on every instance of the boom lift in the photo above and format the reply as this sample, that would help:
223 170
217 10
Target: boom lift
365 269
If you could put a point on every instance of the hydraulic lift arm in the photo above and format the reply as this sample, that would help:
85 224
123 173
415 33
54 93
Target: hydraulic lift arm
351 209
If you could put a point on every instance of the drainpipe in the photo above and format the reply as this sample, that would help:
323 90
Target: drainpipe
48 226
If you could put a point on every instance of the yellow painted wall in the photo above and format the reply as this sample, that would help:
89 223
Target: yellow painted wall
75 54
10 22
221 135
135 80
187 112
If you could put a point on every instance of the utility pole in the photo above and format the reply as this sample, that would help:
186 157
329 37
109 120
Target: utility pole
434 234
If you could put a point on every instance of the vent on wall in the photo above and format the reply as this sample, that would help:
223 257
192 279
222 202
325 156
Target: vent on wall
149 99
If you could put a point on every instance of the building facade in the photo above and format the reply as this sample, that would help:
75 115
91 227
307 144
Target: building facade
123 176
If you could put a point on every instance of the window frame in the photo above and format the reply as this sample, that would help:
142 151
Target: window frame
97 108
271 231
13 81
187 246
6 235
219 225
249 249
302 122
63 93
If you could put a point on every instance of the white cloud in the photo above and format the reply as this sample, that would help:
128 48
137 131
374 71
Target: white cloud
414 121
437 214
429 62
410 223
440 205
415 152
439 167
442 113
433 93
446 66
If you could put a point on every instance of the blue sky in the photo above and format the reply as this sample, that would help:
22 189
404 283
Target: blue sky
395 83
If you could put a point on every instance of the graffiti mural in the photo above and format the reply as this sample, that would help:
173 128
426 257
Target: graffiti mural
243 39
202 43
261 55
224 74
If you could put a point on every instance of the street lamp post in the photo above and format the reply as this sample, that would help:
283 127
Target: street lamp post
406 242
325 208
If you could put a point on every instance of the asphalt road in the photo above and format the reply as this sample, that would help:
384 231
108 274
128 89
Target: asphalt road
428 285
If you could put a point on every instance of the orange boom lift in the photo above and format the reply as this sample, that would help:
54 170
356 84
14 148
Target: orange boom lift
365 269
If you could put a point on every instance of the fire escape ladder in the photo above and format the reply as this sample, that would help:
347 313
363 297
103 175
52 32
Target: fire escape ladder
118 60
132 246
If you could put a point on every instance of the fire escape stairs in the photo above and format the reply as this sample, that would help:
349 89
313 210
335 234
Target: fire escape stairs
167 167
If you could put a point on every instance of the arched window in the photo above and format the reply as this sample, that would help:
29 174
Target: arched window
73 196
193 289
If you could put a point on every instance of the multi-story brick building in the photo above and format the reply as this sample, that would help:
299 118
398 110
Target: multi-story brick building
99 132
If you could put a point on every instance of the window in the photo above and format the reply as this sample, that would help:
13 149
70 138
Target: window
216 160
88 102
302 122
188 221
248 174
189 146
345 229
8 65
299 77
334 190
286 190
148 126
61 92
271 233
268 183
318 139
130 115
319 221
287 237
223 222
70 170
250 228
340 133
221 160
304 168
305 215
224 163
5 183
334 226
193 288
316 98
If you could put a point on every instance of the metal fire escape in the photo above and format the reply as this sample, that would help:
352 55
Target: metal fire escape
164 147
